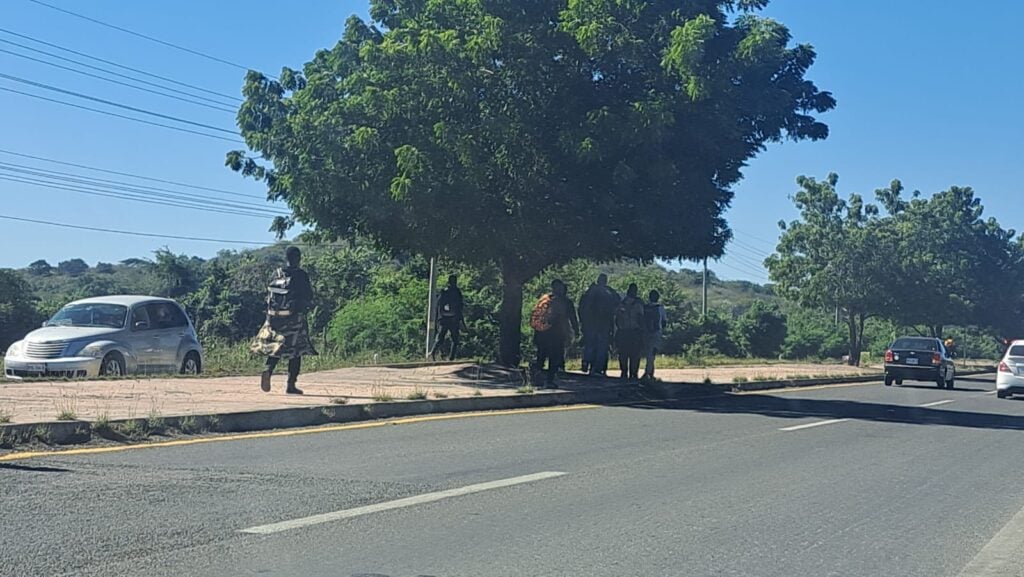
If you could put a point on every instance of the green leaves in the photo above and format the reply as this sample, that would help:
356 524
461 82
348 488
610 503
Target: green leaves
685 54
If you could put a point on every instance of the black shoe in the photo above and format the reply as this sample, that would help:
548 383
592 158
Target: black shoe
293 390
265 381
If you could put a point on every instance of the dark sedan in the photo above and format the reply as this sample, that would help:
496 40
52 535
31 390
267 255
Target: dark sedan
919 359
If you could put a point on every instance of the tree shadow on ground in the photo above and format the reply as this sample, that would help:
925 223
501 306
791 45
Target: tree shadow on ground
782 407
935 387
28 468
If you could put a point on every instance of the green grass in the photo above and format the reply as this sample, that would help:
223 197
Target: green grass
236 360
739 380
417 394
102 422
440 395
525 390
381 395
188 425
6 416
67 407
339 400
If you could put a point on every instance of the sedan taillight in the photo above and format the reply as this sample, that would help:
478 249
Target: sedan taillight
1004 368
889 357
936 359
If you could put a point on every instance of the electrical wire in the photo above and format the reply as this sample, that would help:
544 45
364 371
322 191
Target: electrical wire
131 233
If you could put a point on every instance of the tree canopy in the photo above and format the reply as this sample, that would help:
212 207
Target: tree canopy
529 133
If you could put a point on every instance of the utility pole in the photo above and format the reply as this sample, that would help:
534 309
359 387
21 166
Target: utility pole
430 307
704 299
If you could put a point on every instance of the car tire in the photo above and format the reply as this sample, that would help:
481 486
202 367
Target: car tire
192 365
1002 394
899 382
112 365
951 383
888 380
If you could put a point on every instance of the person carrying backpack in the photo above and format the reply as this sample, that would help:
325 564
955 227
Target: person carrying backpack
285 334
597 319
629 334
449 315
554 322
655 320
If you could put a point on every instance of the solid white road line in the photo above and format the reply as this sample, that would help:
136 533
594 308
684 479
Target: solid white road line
398 504
991 392
937 403
812 425
1003 555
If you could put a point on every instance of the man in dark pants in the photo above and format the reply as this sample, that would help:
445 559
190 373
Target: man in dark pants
597 319
285 334
554 323
449 315
629 335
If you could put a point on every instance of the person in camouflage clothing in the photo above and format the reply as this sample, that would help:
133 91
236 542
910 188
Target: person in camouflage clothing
285 334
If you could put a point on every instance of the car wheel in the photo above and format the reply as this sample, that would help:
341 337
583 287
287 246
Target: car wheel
888 380
1002 394
191 365
951 383
899 382
112 366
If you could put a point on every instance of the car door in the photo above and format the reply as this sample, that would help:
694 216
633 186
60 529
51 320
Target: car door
141 338
170 326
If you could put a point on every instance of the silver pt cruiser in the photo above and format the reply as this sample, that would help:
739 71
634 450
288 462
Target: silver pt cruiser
109 336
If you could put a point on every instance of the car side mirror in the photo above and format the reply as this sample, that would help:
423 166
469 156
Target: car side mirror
140 325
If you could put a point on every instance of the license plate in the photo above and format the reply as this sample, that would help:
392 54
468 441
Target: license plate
35 368
912 361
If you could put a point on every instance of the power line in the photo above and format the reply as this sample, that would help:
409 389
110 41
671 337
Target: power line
120 196
104 184
114 114
114 104
143 36
128 174
111 63
111 80
131 233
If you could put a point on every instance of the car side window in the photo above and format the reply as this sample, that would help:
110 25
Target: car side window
166 316
140 319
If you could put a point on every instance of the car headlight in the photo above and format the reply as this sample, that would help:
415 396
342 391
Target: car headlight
15 349
94 350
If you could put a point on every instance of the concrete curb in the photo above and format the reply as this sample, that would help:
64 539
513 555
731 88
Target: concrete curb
128 430
137 430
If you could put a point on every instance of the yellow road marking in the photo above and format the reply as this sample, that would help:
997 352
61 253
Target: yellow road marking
289 433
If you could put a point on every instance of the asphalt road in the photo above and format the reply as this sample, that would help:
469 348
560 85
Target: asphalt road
845 481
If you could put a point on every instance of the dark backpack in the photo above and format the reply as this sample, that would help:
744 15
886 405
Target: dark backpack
279 293
448 305
630 315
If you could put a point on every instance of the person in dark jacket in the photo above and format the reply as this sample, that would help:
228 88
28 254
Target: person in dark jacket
597 320
554 323
449 315
629 334
285 334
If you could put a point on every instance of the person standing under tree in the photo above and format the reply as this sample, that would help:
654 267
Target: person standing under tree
285 334
597 319
554 323
449 315
629 335
655 320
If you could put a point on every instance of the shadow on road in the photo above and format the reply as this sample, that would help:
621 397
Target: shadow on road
957 388
12 467
802 408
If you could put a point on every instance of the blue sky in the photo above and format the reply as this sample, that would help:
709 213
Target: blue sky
925 95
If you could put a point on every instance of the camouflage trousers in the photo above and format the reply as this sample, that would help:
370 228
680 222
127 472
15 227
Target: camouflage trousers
285 334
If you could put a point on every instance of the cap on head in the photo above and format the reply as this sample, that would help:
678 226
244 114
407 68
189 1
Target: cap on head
632 290
293 254
602 279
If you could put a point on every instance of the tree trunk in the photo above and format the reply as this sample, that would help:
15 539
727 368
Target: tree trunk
510 317
855 340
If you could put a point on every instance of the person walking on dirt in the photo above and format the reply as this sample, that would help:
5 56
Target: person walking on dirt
655 320
450 319
629 336
554 323
597 319
285 334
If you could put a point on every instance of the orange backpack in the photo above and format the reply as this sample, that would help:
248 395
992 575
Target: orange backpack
543 316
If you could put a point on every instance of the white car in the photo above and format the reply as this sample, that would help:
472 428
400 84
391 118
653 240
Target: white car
109 336
1010 378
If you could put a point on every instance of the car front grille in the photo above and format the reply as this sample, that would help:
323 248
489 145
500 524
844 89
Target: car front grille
44 350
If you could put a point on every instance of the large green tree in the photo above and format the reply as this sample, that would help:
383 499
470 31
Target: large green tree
18 315
835 255
527 133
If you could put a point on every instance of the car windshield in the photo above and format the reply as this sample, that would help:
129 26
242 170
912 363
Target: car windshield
1016 351
90 315
916 345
